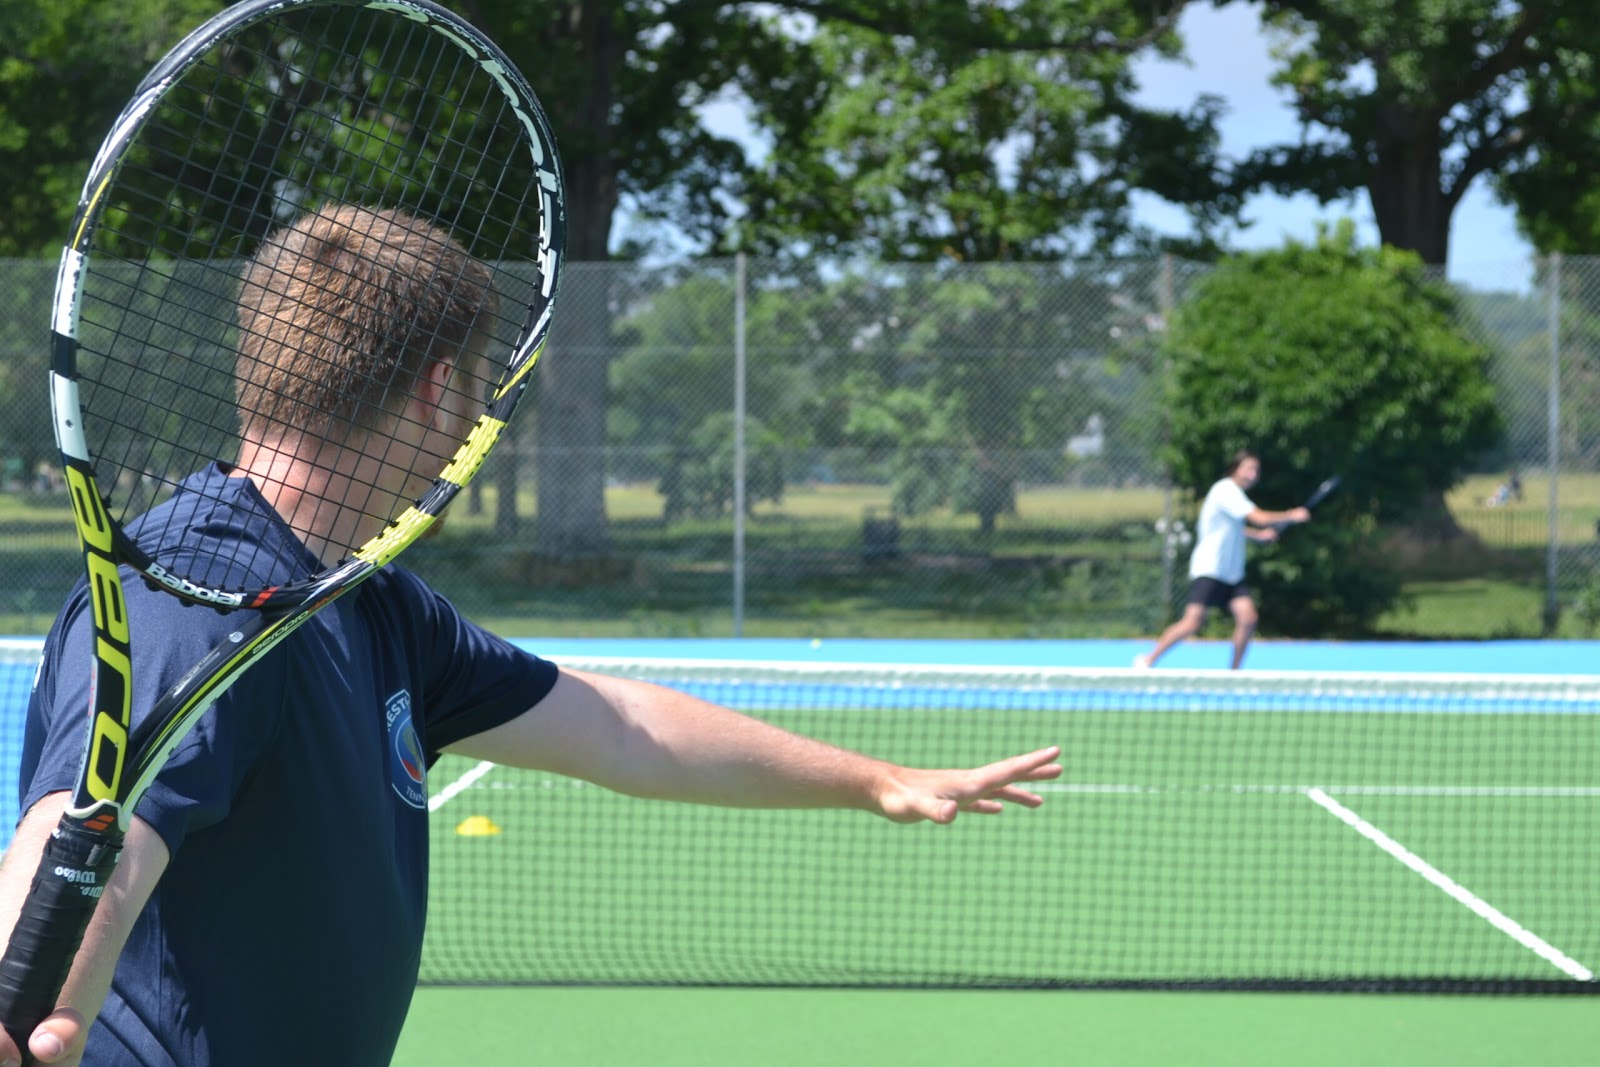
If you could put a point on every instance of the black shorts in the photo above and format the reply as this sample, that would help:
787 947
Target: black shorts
1214 593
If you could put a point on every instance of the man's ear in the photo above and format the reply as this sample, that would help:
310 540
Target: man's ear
433 385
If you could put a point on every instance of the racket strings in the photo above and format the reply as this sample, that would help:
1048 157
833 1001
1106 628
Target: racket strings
414 121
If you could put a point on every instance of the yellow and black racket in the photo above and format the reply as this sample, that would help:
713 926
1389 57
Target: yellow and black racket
273 112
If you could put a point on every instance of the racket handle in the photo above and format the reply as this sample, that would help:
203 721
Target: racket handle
73 871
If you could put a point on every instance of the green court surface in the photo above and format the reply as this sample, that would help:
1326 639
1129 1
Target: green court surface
886 1028
1270 837
1179 847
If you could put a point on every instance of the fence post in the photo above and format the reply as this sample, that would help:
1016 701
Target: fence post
1552 600
738 443
1165 296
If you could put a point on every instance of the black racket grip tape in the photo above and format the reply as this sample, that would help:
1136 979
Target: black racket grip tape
72 875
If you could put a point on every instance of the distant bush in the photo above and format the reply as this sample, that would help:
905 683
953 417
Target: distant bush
699 479
1328 358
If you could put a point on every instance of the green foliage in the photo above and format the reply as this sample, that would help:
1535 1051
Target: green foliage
25 433
922 146
1411 102
962 382
1586 606
1554 188
1328 358
67 67
913 428
955 384
1524 333
698 482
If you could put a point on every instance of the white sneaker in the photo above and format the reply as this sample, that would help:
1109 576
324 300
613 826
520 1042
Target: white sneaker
1142 661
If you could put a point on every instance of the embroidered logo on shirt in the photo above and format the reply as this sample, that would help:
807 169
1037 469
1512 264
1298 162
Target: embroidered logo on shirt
408 768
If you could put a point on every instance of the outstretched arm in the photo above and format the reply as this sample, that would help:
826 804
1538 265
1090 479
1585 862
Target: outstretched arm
650 741
1271 519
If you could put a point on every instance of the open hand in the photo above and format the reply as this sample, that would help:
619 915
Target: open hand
912 795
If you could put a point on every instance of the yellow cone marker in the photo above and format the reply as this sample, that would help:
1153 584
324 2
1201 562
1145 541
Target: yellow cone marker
477 826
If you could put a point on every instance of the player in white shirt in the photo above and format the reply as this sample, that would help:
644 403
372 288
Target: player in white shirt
1216 569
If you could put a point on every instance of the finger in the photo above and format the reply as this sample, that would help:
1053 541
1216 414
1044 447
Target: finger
1044 773
1016 795
995 801
46 1045
1033 767
983 806
945 810
1022 768
55 1038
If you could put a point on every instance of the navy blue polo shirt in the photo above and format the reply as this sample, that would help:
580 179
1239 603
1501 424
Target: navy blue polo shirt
288 926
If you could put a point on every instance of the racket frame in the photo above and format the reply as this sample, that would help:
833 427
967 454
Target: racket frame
121 760
1322 491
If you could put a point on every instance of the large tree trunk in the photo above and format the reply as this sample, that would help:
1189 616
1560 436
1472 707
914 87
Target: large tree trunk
1409 203
1413 210
570 434
1433 522
573 376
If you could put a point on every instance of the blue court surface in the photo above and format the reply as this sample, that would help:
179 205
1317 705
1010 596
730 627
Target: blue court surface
1443 657
1452 657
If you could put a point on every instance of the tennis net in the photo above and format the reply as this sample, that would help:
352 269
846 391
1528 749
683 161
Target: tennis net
1213 829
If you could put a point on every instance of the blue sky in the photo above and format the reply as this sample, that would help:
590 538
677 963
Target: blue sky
1227 56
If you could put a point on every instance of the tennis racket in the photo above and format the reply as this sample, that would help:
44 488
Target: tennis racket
1321 493
373 120
1317 496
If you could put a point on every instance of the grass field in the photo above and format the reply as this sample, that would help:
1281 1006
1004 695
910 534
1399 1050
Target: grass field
1072 563
36 514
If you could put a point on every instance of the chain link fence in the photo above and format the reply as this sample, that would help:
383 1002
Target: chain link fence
752 447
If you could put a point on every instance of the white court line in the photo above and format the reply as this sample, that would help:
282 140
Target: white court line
1496 918
470 778
449 792
1482 908
1569 791
1465 790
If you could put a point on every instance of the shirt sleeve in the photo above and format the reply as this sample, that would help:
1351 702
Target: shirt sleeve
1232 500
473 680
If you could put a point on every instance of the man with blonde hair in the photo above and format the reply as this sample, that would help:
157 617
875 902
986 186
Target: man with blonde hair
304 788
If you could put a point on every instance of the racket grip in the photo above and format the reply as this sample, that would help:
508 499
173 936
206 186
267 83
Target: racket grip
73 871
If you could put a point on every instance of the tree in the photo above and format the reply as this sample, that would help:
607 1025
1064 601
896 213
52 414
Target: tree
951 381
1554 186
917 148
671 419
957 381
623 81
699 479
1329 358
62 83
1414 101
25 436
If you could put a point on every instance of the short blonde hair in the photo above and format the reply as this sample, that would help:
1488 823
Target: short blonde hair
341 311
